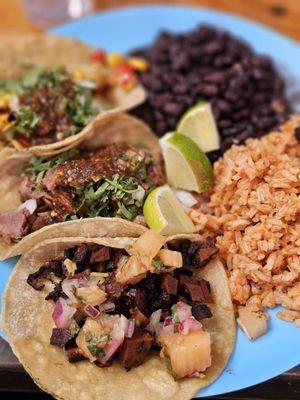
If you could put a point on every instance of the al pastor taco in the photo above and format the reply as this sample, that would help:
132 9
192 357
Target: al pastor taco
49 101
121 318
46 197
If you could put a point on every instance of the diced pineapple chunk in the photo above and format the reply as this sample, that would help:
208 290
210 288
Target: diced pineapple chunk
188 353
148 245
91 332
92 295
130 270
171 259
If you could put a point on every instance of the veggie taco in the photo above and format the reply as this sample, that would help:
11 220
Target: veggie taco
52 93
46 197
117 318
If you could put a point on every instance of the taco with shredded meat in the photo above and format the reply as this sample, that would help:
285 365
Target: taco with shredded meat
46 197
119 318
49 102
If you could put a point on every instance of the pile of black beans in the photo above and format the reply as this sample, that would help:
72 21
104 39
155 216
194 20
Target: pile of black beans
246 91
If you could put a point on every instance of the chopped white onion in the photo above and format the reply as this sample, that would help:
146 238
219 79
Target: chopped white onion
14 104
185 198
183 310
139 194
154 320
68 287
30 205
87 84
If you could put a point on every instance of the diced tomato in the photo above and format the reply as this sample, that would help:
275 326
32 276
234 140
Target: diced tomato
126 76
98 55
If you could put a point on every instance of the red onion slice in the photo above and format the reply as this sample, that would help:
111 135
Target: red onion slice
168 326
189 325
63 314
91 311
116 339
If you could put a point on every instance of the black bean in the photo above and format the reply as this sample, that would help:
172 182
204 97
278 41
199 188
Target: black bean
246 91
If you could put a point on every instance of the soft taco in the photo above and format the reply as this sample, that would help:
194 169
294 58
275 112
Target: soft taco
52 94
120 318
47 197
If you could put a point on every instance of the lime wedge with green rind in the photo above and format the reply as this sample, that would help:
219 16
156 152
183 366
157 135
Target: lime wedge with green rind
198 123
187 167
164 213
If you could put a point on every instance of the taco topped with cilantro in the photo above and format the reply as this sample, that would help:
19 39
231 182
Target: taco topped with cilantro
42 195
153 315
47 108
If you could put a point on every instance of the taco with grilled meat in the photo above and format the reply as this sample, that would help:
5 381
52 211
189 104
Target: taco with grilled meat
121 318
47 103
46 197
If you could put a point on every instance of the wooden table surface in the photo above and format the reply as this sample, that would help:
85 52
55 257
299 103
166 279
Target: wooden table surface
283 16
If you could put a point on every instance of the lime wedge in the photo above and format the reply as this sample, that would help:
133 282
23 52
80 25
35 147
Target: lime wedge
187 167
198 124
164 213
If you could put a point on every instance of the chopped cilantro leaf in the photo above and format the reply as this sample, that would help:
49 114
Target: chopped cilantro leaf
159 266
27 119
92 344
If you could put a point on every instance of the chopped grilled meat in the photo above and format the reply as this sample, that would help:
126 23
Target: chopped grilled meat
169 284
84 274
14 224
103 254
47 104
162 300
113 288
48 271
82 255
205 252
198 290
201 311
60 337
75 354
27 189
139 317
70 252
56 293
140 299
40 221
135 349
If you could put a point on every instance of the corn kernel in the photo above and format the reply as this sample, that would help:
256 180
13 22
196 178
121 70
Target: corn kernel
139 64
17 145
114 59
5 99
79 74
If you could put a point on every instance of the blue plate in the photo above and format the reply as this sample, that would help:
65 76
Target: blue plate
125 29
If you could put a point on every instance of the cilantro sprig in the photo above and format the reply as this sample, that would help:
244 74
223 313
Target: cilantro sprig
38 166
111 197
